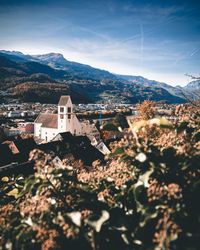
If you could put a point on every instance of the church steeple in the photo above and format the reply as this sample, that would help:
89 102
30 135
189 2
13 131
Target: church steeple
65 110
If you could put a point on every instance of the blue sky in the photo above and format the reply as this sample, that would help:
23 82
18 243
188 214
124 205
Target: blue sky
157 39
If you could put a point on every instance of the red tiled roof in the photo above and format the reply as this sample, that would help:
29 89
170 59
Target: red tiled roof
47 120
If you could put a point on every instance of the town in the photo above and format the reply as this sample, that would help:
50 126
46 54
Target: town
62 129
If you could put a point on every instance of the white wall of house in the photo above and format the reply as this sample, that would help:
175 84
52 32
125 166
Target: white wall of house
103 148
77 128
48 134
37 129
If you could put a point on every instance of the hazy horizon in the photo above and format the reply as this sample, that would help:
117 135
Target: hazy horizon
154 39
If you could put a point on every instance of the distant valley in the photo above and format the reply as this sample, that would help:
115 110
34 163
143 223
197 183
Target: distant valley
43 78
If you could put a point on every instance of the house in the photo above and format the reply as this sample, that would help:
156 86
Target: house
14 168
90 130
48 125
6 155
14 153
20 148
14 114
78 146
11 131
26 127
103 148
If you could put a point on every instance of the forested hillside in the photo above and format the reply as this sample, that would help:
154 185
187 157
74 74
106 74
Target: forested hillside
86 82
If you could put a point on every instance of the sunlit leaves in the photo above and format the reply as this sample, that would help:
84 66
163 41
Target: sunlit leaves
13 192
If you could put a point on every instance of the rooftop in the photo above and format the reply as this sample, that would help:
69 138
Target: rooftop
47 120
63 100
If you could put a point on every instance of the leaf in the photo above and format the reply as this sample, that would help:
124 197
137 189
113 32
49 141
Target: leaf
98 223
29 221
141 157
182 126
13 192
138 242
140 192
125 239
162 122
138 125
75 218
148 217
5 179
31 183
41 187
119 151
144 179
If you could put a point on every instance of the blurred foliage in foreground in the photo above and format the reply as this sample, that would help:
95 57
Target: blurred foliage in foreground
145 198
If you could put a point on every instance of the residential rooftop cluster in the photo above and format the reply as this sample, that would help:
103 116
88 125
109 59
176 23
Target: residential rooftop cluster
59 130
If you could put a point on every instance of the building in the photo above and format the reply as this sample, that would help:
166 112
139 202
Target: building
80 147
6 155
14 114
90 130
102 147
26 127
48 125
20 148
11 131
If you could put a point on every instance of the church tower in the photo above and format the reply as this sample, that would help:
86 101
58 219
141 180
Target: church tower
65 114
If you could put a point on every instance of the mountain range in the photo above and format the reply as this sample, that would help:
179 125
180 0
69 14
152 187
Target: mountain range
45 77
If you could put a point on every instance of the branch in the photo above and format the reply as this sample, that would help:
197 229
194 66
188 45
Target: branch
193 77
188 99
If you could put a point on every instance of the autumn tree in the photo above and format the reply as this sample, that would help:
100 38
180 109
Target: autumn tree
146 109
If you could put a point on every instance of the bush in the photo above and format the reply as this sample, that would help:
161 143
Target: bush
145 198
146 109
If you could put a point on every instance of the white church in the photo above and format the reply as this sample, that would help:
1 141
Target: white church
48 125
